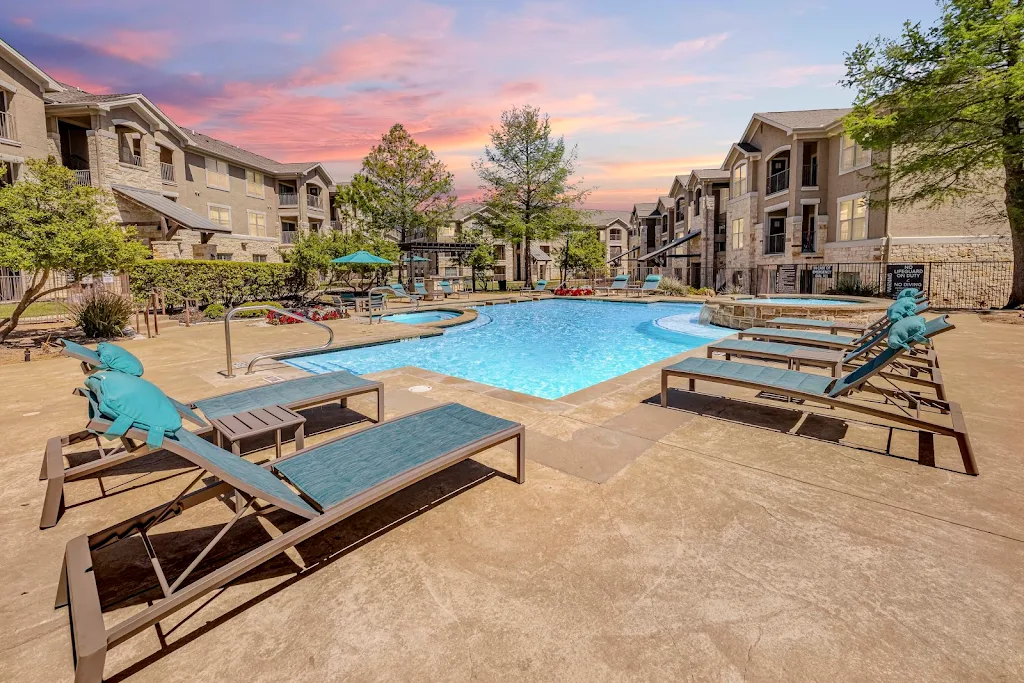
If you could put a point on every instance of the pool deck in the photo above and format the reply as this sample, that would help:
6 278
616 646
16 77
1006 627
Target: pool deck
700 542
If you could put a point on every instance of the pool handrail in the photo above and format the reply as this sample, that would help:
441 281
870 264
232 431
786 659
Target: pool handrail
276 354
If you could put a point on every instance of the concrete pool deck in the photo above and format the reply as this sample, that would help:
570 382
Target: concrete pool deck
699 542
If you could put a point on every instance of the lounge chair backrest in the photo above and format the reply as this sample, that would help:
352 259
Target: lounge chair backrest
399 289
870 340
420 288
652 282
620 282
540 285
238 472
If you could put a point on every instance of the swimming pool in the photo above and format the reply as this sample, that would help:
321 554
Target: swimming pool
547 348
420 317
800 301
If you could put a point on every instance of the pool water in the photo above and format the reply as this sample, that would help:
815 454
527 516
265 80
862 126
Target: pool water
421 317
547 348
801 301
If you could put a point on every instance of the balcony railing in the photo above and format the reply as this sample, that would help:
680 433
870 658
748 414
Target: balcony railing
167 172
807 245
315 201
7 128
809 177
287 199
82 178
775 244
335 225
130 158
778 182
289 236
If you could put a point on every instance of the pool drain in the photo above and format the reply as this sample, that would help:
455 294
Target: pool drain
419 389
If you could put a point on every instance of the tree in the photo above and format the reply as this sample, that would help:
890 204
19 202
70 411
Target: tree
407 190
482 256
355 202
526 176
50 226
310 258
948 101
583 250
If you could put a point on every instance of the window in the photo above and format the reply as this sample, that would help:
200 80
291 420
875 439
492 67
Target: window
314 226
451 271
259 258
739 181
614 252
853 219
217 174
499 271
499 252
223 257
615 235
775 240
221 215
254 184
257 223
737 233
852 155
6 119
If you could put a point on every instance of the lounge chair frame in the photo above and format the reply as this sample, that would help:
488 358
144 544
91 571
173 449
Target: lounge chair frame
77 586
891 395
56 475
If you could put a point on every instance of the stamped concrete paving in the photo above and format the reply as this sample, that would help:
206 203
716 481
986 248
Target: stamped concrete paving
693 543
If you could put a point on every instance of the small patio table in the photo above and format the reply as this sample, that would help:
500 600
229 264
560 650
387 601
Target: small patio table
240 426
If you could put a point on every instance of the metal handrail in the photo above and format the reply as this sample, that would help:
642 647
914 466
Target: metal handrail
385 292
276 354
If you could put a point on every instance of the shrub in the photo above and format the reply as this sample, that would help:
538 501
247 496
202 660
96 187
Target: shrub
103 315
704 291
854 289
227 282
671 285
214 311
257 314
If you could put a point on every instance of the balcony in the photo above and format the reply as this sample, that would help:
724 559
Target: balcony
131 158
287 199
82 177
775 244
809 176
7 128
166 172
315 201
778 182
289 236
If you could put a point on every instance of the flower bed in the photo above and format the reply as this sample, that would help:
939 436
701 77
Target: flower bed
316 314
579 291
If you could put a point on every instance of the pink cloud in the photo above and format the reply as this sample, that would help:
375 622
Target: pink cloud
137 46
687 48
521 88
22 21
68 75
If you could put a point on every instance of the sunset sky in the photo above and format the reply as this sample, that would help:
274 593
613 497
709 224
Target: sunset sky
647 90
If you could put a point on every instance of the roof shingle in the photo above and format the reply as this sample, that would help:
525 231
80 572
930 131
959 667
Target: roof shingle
807 118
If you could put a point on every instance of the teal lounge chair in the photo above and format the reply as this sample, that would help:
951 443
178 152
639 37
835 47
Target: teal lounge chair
823 339
399 289
837 392
314 489
295 394
650 285
448 290
619 284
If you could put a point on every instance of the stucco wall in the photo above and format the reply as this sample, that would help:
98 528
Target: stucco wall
197 196
26 106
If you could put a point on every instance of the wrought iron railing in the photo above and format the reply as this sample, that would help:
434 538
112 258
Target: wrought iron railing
775 244
809 176
778 182
7 127
83 177
315 201
287 199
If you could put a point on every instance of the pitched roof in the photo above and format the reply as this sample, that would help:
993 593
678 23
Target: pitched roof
747 147
466 209
72 95
604 218
644 208
244 157
807 118
173 210
710 173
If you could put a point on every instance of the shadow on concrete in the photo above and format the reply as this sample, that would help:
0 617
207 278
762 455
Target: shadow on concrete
125 576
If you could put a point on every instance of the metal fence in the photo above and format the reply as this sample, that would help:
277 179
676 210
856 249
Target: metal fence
56 306
949 284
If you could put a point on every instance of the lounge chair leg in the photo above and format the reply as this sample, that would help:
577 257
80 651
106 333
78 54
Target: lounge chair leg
53 501
521 456
664 390
344 403
380 405
79 592
692 384
962 440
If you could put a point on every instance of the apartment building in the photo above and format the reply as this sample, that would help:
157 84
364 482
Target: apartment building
189 195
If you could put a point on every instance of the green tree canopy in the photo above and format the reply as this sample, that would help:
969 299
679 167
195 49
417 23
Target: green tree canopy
583 252
948 102
49 225
526 176
311 255
406 190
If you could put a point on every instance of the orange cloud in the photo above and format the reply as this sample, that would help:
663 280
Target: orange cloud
137 46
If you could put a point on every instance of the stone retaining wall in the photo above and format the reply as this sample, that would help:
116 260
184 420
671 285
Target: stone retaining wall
741 314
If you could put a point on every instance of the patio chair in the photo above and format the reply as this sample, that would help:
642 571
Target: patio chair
837 392
399 289
320 486
296 394
540 287
649 285
345 302
824 339
448 290
619 284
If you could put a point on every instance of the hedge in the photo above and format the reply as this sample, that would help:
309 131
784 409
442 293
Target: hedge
210 282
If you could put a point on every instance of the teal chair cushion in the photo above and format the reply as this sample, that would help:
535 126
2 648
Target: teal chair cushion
900 309
908 293
131 401
907 331
116 358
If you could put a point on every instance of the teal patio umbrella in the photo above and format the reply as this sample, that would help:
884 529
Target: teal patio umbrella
362 258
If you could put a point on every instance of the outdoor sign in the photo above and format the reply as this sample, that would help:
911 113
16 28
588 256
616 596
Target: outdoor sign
108 278
900 276
787 280
822 271
87 279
